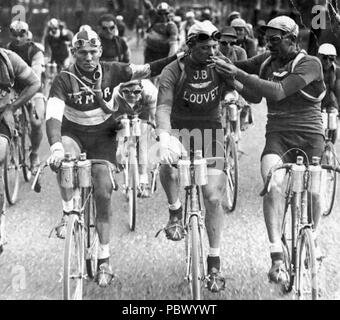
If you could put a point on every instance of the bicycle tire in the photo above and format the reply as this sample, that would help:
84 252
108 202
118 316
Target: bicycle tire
195 259
307 261
91 235
132 189
154 175
231 172
74 260
11 171
26 144
328 157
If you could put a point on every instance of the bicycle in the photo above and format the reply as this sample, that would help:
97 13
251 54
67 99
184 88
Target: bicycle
131 133
81 241
329 158
192 176
297 228
17 154
231 125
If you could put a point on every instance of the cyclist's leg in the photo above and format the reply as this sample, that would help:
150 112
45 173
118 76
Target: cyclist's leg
70 146
169 179
3 149
37 114
143 160
214 220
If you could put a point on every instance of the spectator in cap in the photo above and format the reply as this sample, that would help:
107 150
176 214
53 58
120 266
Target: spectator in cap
259 35
121 26
233 15
184 28
228 47
292 83
243 39
115 47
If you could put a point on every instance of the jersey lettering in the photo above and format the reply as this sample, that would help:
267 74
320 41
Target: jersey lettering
200 98
201 75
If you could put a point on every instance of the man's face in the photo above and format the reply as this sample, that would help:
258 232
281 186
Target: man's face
87 57
190 20
108 29
241 32
132 93
326 61
201 52
19 38
225 44
278 45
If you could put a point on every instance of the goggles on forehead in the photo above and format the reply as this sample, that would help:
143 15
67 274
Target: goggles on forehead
135 92
216 35
326 57
18 33
94 42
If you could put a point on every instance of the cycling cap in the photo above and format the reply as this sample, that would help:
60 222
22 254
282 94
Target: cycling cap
206 29
177 18
238 23
131 83
86 36
53 23
327 49
85 27
234 13
283 23
19 26
119 18
190 14
163 7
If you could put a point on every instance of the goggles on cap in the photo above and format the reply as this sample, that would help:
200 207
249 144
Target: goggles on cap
94 42
135 92
18 33
225 43
276 39
326 57
216 35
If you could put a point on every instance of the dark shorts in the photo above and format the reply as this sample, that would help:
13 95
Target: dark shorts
4 131
98 144
280 142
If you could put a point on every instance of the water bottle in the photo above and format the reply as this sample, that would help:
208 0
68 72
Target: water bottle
233 112
136 126
298 175
67 177
184 170
84 171
332 121
201 171
125 131
315 176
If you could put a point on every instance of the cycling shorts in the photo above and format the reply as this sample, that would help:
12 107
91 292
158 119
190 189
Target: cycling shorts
4 131
280 142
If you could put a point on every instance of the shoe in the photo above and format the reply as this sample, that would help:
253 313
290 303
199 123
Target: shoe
174 229
61 228
104 275
143 191
35 162
216 282
278 273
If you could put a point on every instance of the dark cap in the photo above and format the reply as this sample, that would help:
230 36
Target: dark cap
229 31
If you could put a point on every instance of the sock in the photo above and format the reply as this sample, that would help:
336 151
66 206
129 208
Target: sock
213 262
275 247
67 205
176 205
103 251
214 252
143 178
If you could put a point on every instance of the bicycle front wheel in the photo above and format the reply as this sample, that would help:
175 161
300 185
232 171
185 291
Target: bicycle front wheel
74 259
133 185
11 171
307 285
195 274
231 173
26 144
91 235
329 158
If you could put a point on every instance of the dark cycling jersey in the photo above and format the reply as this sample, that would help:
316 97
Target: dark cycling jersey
59 47
26 51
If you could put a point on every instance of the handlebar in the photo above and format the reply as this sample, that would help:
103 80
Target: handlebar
289 166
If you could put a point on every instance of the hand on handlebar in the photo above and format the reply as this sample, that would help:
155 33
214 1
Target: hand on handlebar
57 156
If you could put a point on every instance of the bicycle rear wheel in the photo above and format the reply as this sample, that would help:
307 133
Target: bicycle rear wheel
307 285
91 235
26 144
195 259
231 172
329 158
74 259
11 171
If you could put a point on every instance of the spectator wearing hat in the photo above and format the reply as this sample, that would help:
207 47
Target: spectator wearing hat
185 26
243 40
231 16
114 46
228 47
121 26
292 83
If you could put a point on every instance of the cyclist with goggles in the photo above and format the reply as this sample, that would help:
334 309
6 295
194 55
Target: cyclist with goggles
189 100
292 82
137 97
162 35
34 57
79 119
331 72
15 75
57 41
